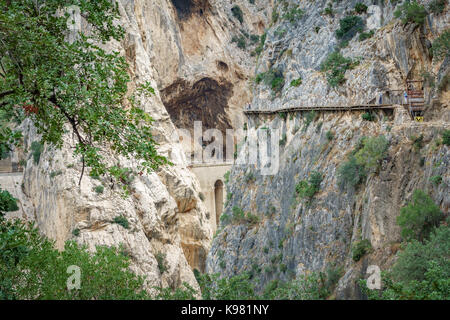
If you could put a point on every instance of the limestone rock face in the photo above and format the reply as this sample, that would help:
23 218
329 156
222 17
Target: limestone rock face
294 237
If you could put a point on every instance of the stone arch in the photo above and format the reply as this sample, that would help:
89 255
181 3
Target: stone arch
218 199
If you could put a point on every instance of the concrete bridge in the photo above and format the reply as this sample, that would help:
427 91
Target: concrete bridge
211 178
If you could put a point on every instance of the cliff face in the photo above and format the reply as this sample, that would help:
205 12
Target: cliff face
197 54
294 237
183 49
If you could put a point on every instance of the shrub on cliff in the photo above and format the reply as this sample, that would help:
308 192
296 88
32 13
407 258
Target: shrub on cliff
293 14
237 13
437 6
441 46
349 27
308 189
411 12
365 158
446 137
7 202
360 249
360 8
335 67
419 217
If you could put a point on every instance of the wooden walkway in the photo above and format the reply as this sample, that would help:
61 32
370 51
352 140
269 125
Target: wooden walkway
414 104
358 107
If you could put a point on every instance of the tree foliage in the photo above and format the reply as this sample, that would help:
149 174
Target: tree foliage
441 46
31 268
307 189
364 159
422 271
349 27
335 67
411 12
73 86
419 217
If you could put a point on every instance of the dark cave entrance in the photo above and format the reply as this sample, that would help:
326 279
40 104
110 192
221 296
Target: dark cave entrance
205 100
187 7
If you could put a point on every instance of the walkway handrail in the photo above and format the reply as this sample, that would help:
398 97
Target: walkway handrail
326 108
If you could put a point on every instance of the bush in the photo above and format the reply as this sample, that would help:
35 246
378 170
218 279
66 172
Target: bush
241 42
360 8
238 287
238 14
99 189
307 189
162 263
7 202
349 27
329 135
254 38
411 12
309 287
419 217
272 78
374 149
366 35
293 14
422 271
335 67
436 180
296 82
417 142
364 158
76 232
310 116
328 11
36 150
226 177
260 47
283 140
446 137
123 221
32 269
368 116
238 214
441 46
360 249
350 174
249 177
437 6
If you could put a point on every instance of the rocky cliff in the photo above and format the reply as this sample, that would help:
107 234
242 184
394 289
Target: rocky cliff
184 49
290 237
207 59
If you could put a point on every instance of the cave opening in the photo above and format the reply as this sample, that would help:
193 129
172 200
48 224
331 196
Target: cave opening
205 100
185 8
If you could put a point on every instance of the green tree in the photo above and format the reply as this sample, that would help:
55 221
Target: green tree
349 27
372 152
411 12
335 67
308 189
421 272
62 84
419 217
31 268
441 46
7 202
